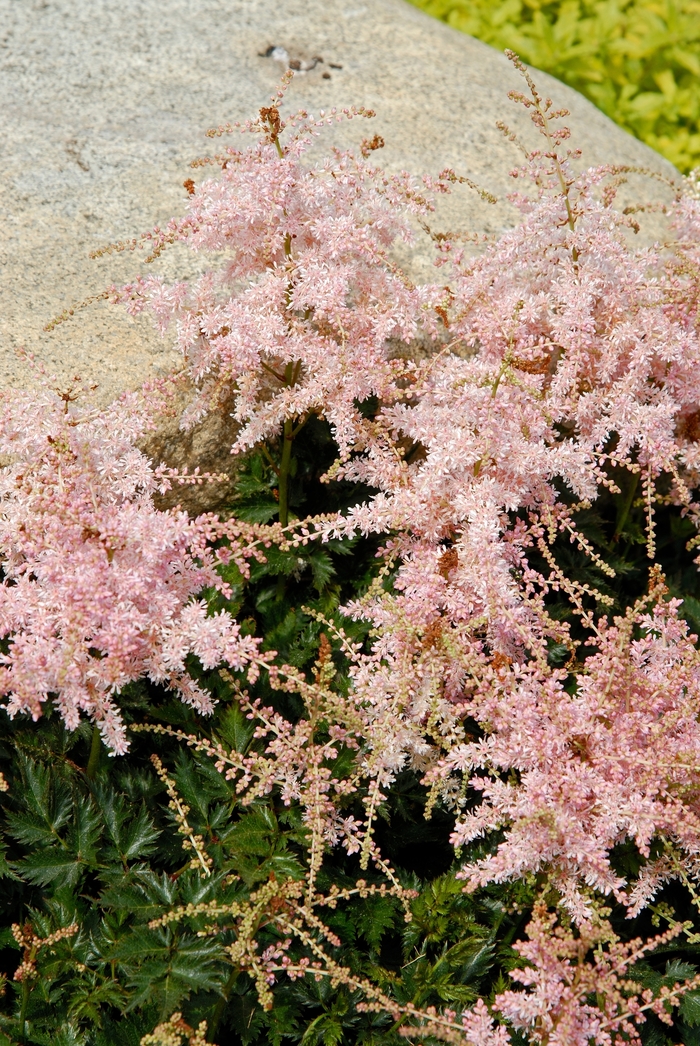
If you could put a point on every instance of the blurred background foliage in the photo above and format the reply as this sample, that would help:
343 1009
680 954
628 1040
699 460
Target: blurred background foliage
637 60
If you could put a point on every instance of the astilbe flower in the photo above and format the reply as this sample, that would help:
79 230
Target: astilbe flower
614 760
578 990
175 1032
568 356
570 366
577 353
98 586
295 760
295 320
32 943
578 985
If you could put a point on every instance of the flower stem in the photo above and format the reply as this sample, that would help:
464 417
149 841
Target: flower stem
291 374
23 1012
221 1004
285 465
625 504
95 752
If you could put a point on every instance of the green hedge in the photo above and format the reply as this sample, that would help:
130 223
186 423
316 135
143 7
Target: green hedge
637 60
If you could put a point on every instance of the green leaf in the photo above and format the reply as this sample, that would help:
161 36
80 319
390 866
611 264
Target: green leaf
678 971
84 831
88 1001
322 568
690 1008
51 866
47 806
139 837
248 1020
130 835
6 870
325 1029
144 892
235 729
6 938
128 1031
255 832
168 970
64 1035
261 511
376 916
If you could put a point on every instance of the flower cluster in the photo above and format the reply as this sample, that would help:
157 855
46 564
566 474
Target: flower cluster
31 943
99 587
616 759
577 364
297 317
175 1031
566 364
562 976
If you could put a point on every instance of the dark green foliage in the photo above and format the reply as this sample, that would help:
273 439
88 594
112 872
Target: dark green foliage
86 853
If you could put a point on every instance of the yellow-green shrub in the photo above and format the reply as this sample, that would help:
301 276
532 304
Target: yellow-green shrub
637 60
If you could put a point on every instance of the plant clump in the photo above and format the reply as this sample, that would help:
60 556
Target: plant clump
431 773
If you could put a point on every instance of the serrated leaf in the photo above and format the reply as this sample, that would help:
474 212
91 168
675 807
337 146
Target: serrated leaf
376 916
145 893
247 1018
260 512
691 610
84 831
129 1031
139 838
198 889
235 729
470 959
64 1035
6 869
7 939
322 568
87 1000
122 829
325 1029
284 866
171 971
690 1008
251 486
47 806
255 832
48 866
678 971
192 785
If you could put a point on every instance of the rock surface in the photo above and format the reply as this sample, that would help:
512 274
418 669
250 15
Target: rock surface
105 104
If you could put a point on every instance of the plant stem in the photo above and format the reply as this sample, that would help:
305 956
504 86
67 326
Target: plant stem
625 504
23 1012
95 752
285 463
291 373
221 1005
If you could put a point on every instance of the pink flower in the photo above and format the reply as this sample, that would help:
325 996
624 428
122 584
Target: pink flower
98 585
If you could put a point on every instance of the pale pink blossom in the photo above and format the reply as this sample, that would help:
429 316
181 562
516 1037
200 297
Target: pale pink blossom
98 584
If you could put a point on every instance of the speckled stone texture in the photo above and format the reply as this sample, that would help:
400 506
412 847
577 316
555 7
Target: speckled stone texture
104 103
